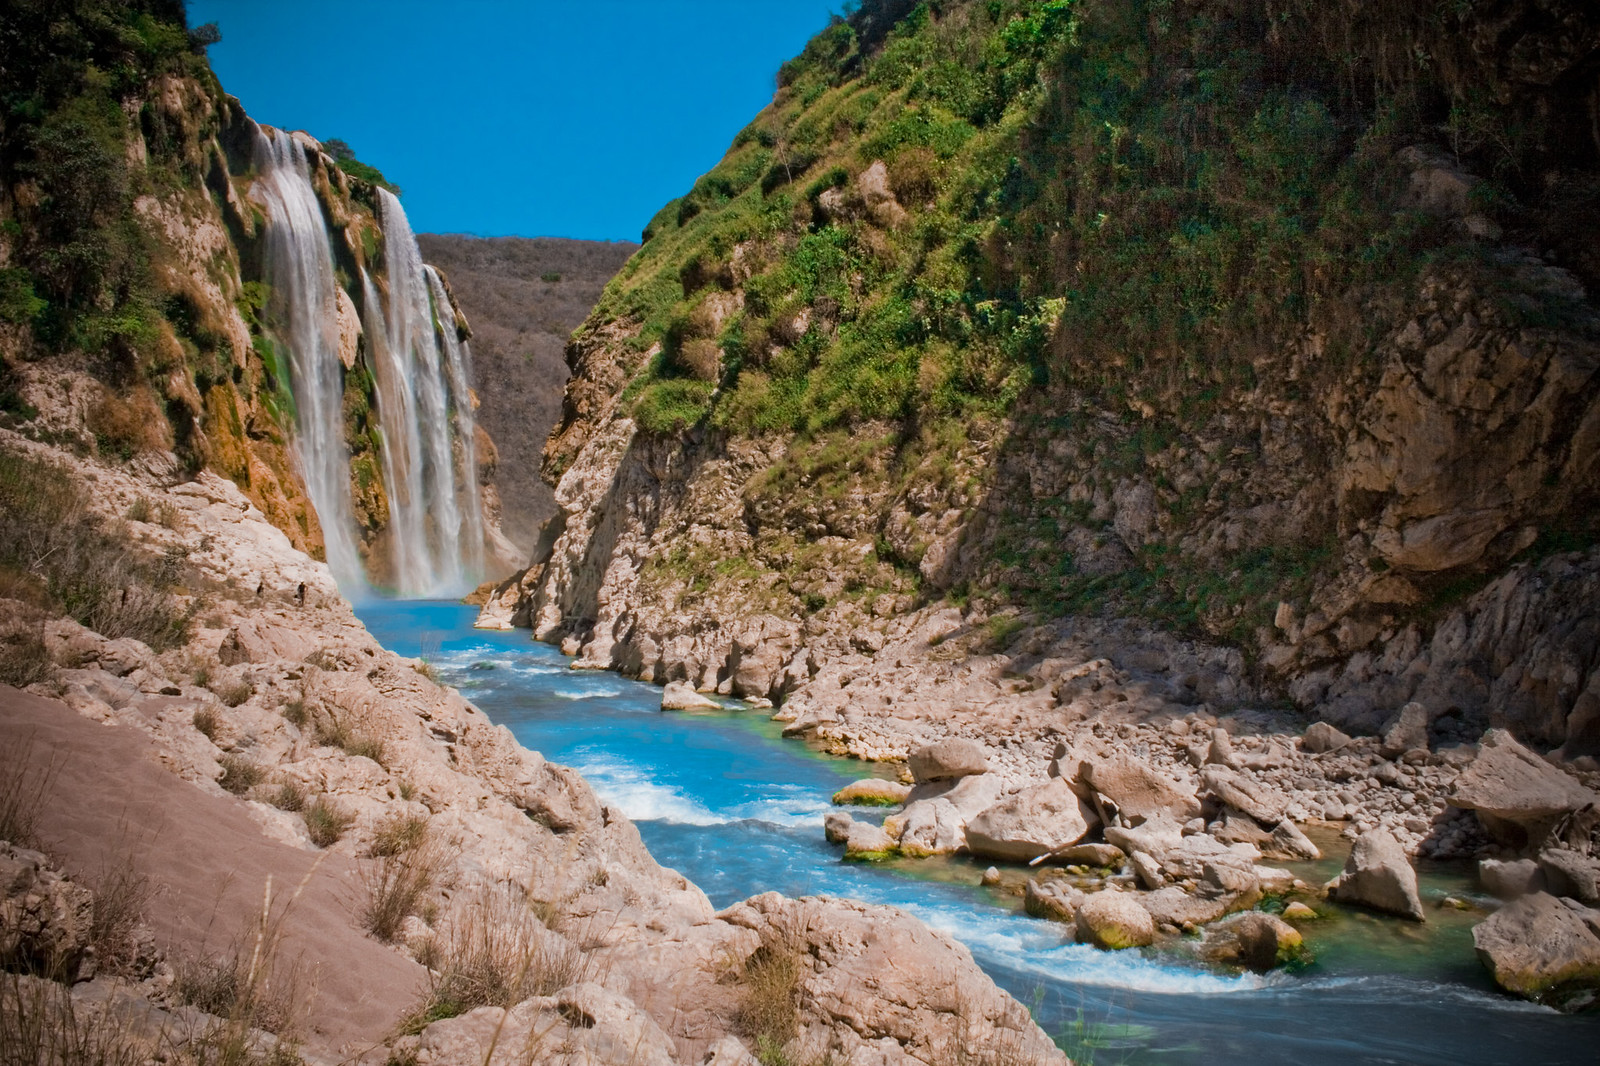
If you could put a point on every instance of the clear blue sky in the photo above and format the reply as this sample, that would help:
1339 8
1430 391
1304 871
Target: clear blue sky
576 118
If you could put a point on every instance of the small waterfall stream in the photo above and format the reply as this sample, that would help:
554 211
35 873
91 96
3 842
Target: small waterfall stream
422 372
305 303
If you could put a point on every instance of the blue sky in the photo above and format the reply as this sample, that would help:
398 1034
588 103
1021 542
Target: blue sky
539 118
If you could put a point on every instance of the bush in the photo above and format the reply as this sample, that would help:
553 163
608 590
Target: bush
672 406
326 821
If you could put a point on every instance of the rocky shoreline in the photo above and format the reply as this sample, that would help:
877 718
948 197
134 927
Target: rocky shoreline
281 708
1093 757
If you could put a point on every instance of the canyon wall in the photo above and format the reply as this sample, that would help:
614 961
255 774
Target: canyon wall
1269 328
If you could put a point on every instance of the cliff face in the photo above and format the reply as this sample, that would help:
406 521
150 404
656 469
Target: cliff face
138 317
1269 329
524 297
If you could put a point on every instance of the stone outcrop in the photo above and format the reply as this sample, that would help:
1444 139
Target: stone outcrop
1537 947
872 792
1517 795
1377 875
1042 820
1114 920
1255 940
46 921
947 760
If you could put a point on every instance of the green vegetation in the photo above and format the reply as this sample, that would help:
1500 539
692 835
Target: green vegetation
345 156
1099 221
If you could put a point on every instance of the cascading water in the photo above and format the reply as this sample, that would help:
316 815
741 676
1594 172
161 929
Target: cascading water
304 303
438 543
422 370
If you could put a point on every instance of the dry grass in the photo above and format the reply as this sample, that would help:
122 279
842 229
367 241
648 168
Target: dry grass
234 693
23 658
497 952
335 731
240 775
208 722
40 1026
120 896
769 1010
408 862
24 779
290 795
326 821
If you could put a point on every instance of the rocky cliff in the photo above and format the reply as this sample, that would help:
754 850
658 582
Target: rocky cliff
524 296
138 315
1261 334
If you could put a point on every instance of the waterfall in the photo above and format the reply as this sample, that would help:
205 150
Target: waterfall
434 510
304 304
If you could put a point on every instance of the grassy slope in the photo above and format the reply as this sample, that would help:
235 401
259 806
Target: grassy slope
1112 206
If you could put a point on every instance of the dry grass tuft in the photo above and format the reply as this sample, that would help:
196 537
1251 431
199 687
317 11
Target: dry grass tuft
40 1026
334 731
240 775
769 1012
497 952
290 795
24 660
208 722
326 821
408 862
120 896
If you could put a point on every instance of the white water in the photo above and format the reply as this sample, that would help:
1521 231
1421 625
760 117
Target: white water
437 552
423 374
305 304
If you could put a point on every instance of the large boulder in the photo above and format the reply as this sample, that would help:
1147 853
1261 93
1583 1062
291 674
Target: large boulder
947 760
1255 940
1240 792
1408 731
935 818
872 792
1567 873
1538 947
1510 879
45 920
867 841
1377 875
1114 920
1322 737
1288 842
681 696
1138 792
1517 795
1034 822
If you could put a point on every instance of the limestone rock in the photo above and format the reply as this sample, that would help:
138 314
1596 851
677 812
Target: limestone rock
45 919
1255 940
1322 737
1509 880
1534 946
1221 752
1114 920
1567 873
1517 795
1139 792
1377 875
1408 732
1299 912
1179 907
836 826
729 1052
867 841
681 696
1034 822
947 760
1049 899
1242 793
872 792
1090 855
1288 842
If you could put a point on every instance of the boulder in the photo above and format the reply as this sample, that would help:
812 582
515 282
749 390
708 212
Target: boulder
1090 855
936 815
1321 737
1255 940
1220 752
1031 823
947 760
1138 792
1568 873
1299 912
1176 906
1052 900
1238 791
1114 920
872 792
867 841
1509 880
729 1052
1377 875
681 696
836 826
1536 947
1288 842
45 920
1517 795
1408 732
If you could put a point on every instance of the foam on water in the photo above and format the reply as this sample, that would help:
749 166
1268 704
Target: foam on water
641 799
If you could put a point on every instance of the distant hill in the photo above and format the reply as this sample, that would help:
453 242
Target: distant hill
520 322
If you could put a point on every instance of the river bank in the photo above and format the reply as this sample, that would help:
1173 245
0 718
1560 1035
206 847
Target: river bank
728 802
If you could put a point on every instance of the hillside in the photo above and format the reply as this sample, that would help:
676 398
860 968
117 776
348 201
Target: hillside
520 325
1264 327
